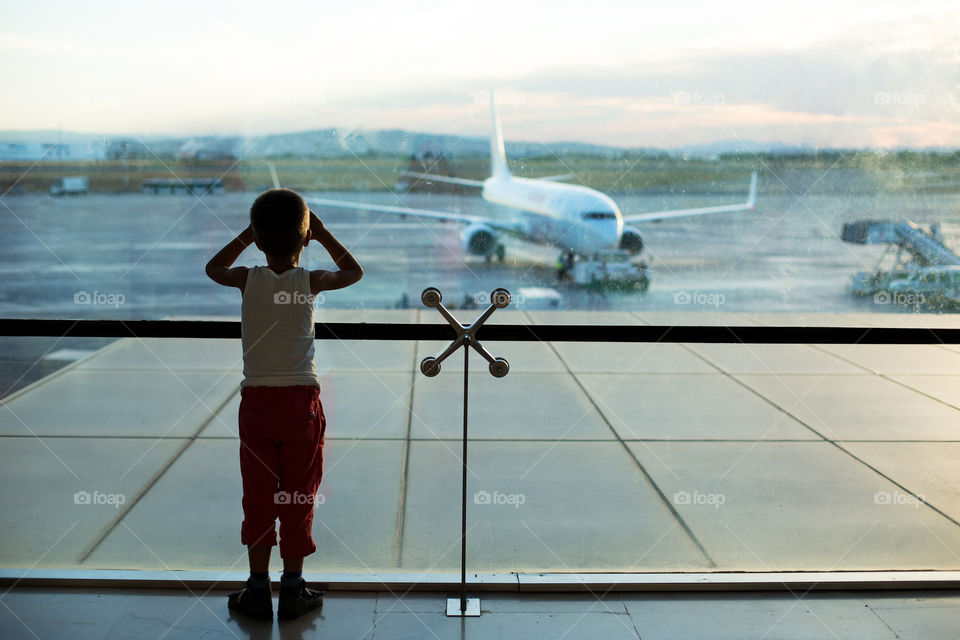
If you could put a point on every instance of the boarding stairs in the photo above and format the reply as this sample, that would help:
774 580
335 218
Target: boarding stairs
926 248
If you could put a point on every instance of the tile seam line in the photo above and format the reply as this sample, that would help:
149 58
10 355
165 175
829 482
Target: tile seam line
108 529
405 469
663 498
834 443
897 484
735 379
888 378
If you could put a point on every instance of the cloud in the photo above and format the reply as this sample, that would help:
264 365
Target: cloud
836 80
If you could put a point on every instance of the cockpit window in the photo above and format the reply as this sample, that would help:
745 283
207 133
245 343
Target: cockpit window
599 215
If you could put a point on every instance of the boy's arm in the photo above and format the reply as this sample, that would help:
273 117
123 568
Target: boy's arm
350 270
219 268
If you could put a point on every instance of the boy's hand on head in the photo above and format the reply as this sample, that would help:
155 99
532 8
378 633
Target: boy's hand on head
350 270
220 269
316 225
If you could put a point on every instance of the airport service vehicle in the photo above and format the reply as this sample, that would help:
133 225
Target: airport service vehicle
193 186
577 220
611 267
73 185
934 284
924 269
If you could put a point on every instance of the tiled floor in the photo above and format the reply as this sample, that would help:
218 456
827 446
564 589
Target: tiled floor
586 457
82 614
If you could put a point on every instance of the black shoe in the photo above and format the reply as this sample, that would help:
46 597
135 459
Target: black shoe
295 601
256 603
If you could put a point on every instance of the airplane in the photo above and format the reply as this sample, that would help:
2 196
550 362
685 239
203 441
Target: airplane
585 224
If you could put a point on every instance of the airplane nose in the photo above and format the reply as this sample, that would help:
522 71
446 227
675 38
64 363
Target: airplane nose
612 234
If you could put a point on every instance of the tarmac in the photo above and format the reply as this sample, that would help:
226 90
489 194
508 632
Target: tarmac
586 457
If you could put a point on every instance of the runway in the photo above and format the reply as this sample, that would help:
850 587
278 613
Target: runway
150 250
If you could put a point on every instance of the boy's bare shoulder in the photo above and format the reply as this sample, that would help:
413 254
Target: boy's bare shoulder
323 280
228 276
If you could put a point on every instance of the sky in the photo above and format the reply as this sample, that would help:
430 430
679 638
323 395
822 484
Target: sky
666 74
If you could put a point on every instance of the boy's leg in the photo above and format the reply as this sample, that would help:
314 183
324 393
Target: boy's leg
259 472
259 469
295 598
254 599
300 458
301 463
259 557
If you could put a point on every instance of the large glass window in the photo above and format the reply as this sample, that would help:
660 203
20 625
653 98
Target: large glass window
696 164
586 457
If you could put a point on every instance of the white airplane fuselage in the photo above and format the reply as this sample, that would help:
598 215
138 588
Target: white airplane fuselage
570 217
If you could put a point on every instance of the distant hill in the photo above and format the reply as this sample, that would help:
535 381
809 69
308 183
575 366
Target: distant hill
336 142
333 142
740 146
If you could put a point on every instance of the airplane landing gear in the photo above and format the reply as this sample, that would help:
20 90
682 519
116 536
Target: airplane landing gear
565 265
499 253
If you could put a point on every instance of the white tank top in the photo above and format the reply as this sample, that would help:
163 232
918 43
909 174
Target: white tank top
276 320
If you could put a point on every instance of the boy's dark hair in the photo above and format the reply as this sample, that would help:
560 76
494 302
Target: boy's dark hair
280 220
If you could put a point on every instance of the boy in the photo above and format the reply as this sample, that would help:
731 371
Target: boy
281 418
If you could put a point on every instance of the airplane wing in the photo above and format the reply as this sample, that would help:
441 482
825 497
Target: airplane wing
432 177
508 226
474 183
749 205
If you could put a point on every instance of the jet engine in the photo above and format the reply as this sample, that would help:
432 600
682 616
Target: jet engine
479 239
631 241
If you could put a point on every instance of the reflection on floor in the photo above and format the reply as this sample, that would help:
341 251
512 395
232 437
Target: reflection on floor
586 457
82 614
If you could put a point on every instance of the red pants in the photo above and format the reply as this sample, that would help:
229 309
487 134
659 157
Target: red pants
281 463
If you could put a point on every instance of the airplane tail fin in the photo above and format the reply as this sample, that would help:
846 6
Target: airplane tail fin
273 175
752 196
498 157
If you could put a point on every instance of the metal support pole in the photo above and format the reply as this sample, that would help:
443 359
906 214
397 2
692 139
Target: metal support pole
466 338
463 492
